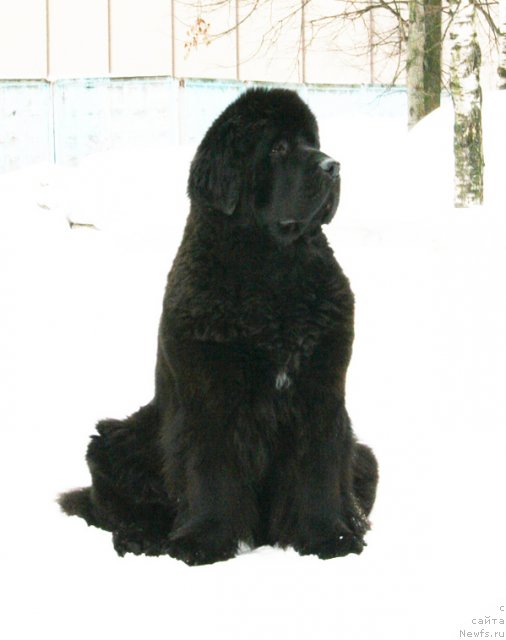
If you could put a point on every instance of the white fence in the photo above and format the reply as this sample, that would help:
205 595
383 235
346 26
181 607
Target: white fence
55 39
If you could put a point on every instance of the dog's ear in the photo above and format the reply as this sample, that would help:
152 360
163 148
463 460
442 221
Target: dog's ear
215 173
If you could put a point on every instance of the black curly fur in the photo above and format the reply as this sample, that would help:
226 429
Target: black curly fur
247 437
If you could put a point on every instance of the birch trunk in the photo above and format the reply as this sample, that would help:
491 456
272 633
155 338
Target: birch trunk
501 70
466 94
423 58
414 67
433 45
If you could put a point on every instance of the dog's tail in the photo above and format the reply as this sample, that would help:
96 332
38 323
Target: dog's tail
78 502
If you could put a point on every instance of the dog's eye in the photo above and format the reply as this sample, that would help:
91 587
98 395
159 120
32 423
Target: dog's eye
280 148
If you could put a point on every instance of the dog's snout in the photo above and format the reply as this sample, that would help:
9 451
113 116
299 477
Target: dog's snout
331 167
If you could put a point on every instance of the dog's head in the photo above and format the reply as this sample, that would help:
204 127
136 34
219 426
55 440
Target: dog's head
261 163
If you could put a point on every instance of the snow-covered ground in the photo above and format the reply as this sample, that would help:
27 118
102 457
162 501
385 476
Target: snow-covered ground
427 389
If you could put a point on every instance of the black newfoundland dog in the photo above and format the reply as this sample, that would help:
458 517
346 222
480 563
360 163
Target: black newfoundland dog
247 438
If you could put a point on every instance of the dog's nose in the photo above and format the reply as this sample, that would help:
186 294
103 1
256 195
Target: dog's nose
331 167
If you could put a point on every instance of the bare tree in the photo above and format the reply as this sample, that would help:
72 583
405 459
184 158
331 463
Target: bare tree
423 63
413 35
466 94
501 70
390 36
432 54
414 64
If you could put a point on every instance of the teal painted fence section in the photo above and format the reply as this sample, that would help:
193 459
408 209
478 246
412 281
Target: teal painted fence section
26 124
63 121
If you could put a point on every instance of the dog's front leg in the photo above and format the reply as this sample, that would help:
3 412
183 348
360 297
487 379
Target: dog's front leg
207 468
329 518
315 508
216 510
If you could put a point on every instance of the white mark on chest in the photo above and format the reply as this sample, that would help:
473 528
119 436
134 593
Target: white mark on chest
282 381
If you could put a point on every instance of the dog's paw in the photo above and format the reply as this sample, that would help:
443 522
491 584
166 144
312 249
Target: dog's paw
195 554
201 546
330 539
356 520
336 546
138 541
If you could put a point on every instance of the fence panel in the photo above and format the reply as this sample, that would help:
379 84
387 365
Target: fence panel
140 38
22 39
78 38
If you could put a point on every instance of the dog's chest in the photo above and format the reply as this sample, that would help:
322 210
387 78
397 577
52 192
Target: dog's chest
292 342
283 380
280 317
287 371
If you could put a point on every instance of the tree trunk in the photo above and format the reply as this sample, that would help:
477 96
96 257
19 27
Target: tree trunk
501 70
423 58
414 65
432 63
466 94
